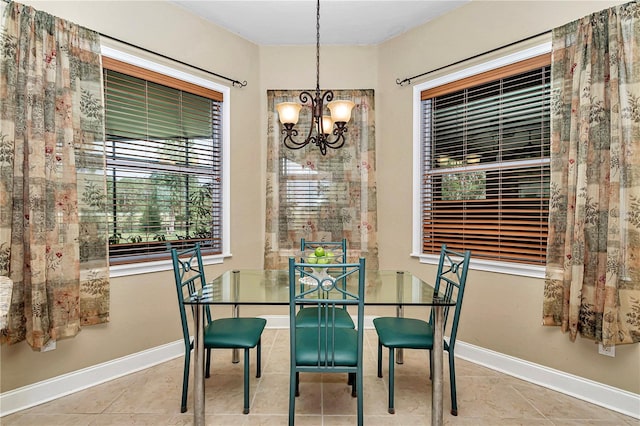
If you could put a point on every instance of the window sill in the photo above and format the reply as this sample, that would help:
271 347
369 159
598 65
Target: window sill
157 266
520 269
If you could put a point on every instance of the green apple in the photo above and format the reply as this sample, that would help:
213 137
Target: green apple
323 260
312 258
319 252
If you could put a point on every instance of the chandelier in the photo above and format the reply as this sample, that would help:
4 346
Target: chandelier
322 132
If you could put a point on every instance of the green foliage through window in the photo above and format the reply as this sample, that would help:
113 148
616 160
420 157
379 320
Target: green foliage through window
164 168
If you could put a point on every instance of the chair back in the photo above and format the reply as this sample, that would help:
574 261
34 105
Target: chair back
189 276
325 348
451 279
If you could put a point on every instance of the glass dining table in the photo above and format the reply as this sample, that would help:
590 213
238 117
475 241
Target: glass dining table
271 287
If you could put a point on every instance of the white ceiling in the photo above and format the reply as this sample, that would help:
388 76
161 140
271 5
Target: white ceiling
293 22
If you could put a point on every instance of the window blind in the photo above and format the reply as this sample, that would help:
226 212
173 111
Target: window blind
486 166
164 166
312 194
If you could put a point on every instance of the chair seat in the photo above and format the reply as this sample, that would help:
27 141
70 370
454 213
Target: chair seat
231 333
308 317
345 347
409 333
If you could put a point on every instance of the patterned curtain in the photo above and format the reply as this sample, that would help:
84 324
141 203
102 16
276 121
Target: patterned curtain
347 184
52 215
592 284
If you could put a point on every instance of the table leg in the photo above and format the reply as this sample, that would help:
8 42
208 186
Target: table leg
198 394
235 312
399 351
436 374
235 353
399 309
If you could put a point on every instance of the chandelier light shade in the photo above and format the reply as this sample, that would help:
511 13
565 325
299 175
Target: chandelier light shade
289 112
325 131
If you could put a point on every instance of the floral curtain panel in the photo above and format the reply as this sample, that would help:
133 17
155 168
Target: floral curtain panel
322 198
52 216
592 284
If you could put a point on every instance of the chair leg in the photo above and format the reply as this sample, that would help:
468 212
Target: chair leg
379 358
259 359
354 387
207 370
185 380
246 381
297 383
293 392
430 364
452 380
392 410
360 385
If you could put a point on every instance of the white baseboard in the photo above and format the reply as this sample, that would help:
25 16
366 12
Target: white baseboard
578 387
48 390
597 393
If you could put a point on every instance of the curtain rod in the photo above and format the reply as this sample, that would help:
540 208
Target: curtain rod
234 82
407 80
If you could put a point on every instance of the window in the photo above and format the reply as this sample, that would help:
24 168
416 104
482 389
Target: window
164 153
484 163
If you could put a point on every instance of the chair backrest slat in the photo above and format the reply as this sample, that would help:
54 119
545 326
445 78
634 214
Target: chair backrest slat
189 276
452 275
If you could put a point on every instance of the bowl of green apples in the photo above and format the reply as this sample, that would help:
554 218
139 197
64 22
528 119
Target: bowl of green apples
320 256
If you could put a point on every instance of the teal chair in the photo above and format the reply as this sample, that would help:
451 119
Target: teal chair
411 333
307 316
225 333
326 348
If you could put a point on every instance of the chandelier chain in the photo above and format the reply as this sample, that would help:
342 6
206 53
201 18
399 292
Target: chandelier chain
318 46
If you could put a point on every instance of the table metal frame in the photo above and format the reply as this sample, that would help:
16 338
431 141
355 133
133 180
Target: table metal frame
234 299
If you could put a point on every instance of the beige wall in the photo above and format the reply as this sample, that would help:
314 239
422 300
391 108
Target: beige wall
143 307
501 312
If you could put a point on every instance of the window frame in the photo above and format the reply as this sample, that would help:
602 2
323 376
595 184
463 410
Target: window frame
144 267
512 268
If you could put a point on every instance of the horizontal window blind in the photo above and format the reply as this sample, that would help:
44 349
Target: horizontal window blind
311 195
164 167
486 167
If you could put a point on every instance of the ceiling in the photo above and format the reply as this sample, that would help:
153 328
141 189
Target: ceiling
293 22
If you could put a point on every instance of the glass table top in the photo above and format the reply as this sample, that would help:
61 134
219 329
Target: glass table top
271 287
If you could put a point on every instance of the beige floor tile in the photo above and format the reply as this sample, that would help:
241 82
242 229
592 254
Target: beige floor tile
29 419
268 420
487 421
592 422
560 407
152 396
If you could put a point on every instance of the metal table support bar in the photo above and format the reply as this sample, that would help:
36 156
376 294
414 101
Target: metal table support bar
235 312
436 373
198 374
399 311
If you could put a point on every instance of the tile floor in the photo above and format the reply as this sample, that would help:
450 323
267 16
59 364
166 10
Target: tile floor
152 397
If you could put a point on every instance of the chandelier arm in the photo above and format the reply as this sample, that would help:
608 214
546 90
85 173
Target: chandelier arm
305 97
339 141
327 96
289 140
